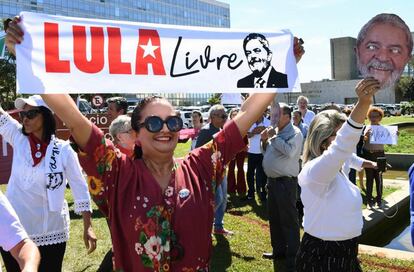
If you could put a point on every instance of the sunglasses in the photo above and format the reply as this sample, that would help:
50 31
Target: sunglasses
154 123
222 116
30 114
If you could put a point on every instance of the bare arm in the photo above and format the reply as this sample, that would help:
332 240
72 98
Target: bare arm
65 108
256 103
369 164
63 105
89 236
251 110
27 255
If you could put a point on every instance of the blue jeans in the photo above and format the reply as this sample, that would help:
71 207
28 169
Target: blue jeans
221 204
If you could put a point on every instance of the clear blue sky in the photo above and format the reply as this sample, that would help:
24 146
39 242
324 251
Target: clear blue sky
316 21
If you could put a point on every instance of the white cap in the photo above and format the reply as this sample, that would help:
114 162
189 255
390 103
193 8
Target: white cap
34 100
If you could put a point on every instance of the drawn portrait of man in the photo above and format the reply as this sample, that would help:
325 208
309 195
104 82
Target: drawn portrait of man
259 57
384 47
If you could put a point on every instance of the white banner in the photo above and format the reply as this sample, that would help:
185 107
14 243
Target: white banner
231 99
75 55
384 135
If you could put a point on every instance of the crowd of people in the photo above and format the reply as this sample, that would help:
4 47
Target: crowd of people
162 210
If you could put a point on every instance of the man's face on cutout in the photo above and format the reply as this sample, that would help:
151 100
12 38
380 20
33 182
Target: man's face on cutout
383 54
257 57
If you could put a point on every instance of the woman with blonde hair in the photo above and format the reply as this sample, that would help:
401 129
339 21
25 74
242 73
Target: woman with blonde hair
332 204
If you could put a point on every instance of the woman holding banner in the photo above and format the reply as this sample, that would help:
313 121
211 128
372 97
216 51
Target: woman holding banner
332 204
160 209
36 188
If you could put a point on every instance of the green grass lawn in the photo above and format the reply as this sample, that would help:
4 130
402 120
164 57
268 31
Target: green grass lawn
397 119
240 252
404 144
182 149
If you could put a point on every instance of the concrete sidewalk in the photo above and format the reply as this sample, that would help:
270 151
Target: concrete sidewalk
377 220
386 253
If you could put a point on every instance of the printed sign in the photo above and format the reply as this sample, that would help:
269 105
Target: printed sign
97 100
384 135
74 55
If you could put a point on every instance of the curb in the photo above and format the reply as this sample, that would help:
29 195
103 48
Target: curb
386 253
376 223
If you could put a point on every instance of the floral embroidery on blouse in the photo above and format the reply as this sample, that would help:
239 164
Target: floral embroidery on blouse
154 239
104 157
217 161
95 186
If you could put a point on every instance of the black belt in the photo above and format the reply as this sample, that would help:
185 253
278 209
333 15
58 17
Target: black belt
373 151
283 179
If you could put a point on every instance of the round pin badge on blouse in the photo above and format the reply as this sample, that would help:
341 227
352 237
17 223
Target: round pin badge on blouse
184 193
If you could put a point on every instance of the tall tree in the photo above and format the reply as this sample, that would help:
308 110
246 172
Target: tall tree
405 87
7 77
215 99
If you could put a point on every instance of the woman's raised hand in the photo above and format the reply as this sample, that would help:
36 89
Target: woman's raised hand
366 89
14 34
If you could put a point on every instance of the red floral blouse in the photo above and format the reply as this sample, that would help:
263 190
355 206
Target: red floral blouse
153 230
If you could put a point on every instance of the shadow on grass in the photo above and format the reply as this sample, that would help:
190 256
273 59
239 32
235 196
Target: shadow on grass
222 255
221 259
235 203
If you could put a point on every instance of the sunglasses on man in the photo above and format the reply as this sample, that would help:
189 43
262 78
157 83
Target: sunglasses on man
222 116
30 114
155 123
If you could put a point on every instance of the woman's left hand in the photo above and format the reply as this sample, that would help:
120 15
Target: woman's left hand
298 48
89 238
366 89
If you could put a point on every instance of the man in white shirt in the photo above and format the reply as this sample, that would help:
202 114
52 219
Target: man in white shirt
14 238
254 161
307 115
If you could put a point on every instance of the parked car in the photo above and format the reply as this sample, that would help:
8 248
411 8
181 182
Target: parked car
132 101
186 113
392 110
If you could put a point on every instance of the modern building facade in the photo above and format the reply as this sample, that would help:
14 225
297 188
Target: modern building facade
177 12
209 13
337 91
343 59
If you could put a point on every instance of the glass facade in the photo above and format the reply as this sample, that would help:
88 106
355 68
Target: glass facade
177 12
208 13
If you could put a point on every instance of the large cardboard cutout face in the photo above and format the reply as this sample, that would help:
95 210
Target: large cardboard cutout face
383 49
